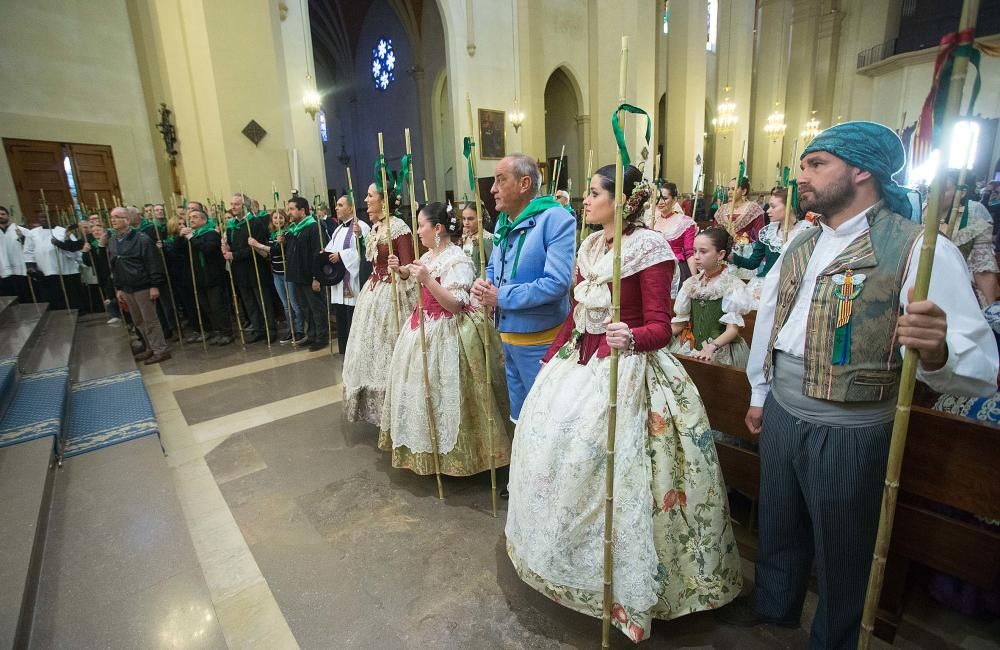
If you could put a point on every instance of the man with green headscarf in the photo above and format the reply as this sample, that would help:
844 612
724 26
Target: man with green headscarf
825 370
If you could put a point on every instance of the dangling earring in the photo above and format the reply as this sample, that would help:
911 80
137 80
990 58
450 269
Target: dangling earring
437 241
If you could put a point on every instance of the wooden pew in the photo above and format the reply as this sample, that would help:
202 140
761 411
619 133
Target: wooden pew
949 460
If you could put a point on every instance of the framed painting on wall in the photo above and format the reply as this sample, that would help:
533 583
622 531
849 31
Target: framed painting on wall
492 138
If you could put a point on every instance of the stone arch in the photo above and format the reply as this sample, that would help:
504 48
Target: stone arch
563 101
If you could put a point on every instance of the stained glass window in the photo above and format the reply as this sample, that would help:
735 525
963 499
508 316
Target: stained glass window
383 64
323 134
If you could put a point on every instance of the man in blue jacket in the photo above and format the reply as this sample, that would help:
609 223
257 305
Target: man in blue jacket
530 272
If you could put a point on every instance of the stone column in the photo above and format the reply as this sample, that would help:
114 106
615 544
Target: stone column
583 137
686 85
769 88
735 58
426 132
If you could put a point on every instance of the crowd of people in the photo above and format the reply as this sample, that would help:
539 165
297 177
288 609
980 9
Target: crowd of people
419 320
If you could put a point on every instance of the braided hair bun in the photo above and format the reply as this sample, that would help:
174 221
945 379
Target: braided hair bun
443 214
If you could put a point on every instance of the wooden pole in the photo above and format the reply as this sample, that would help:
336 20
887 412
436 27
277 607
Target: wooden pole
557 170
387 226
900 425
787 225
956 206
197 303
357 219
487 319
426 195
232 288
616 296
170 284
284 279
431 420
249 216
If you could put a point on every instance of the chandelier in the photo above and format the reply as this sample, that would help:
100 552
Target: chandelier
812 128
725 120
775 127
311 100
516 116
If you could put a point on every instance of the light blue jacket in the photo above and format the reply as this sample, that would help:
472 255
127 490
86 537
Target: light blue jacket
536 298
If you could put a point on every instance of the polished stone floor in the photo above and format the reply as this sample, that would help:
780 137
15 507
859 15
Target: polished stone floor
307 537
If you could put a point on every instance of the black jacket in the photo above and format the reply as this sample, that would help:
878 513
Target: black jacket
135 264
209 264
300 250
243 263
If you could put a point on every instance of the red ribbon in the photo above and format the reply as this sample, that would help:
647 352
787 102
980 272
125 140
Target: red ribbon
922 138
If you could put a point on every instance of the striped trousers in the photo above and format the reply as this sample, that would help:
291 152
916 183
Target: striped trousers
820 496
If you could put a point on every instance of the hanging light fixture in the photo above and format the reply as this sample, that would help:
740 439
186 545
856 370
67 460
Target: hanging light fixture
726 118
775 127
812 128
311 100
516 116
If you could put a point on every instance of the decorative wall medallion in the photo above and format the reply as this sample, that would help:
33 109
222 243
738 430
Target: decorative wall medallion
254 132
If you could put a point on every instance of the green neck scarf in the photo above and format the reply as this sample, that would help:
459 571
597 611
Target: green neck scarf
296 228
504 226
210 226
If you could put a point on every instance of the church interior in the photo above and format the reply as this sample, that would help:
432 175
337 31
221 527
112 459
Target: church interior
224 497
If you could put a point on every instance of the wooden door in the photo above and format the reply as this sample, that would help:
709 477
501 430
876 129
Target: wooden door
94 170
38 166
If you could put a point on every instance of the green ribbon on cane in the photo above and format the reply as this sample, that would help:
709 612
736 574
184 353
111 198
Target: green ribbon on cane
467 147
742 172
793 187
968 51
620 135
403 176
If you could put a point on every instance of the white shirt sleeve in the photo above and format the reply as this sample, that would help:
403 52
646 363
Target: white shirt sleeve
971 368
29 246
759 385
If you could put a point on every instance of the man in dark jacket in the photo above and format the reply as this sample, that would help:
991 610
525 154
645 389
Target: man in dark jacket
302 243
203 242
251 275
136 271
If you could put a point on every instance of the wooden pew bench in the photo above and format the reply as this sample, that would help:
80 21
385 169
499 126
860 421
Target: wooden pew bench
949 460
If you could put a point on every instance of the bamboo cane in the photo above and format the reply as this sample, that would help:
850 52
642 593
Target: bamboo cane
694 201
556 170
616 291
288 295
787 225
900 425
170 285
586 190
487 320
956 206
232 289
328 293
426 195
58 251
431 419
357 219
256 270
388 231
197 303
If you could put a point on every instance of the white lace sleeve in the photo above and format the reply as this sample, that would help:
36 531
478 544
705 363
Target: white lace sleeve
682 305
736 302
982 258
458 277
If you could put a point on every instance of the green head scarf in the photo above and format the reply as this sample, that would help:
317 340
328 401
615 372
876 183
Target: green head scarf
872 147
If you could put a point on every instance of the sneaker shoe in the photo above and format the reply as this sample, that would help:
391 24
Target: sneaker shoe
114 320
220 340
301 339
287 339
196 338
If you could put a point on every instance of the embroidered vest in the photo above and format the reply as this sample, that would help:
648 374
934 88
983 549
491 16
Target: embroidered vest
881 254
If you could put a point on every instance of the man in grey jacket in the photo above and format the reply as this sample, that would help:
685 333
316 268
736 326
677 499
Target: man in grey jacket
136 272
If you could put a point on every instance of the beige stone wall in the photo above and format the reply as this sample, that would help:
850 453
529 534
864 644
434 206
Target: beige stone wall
69 74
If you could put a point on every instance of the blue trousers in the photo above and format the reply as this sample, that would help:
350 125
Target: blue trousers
289 297
522 363
820 495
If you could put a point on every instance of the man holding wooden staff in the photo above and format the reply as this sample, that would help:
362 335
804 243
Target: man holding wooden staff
530 272
825 371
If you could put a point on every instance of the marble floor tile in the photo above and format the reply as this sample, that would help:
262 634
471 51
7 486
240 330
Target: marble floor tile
251 619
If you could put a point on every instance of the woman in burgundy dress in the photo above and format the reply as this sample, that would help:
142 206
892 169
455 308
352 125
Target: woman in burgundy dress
674 546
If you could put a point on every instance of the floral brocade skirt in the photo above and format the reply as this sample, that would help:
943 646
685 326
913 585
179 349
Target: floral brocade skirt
674 548
374 331
471 416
